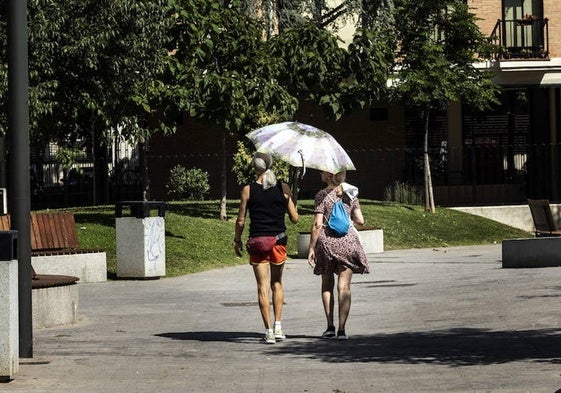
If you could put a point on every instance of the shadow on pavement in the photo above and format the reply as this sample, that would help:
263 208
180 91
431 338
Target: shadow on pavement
453 347
212 336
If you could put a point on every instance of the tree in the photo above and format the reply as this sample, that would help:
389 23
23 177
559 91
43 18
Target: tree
219 70
138 65
315 65
439 47
89 59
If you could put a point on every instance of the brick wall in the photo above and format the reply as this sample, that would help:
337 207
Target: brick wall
552 11
489 11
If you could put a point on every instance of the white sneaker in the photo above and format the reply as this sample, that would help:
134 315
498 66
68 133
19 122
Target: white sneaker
279 335
269 338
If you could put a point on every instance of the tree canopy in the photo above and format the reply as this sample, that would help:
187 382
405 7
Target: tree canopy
87 61
218 68
440 45
136 65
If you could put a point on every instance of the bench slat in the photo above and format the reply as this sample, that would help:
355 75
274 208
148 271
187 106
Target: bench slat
4 223
36 231
43 237
71 234
51 226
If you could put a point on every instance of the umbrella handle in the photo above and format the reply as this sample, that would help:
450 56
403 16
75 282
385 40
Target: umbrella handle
303 164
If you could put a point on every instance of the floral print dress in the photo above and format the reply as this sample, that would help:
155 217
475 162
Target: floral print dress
335 253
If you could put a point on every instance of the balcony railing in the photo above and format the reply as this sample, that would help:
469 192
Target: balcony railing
525 38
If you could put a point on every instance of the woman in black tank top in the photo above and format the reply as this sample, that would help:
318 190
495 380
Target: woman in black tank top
267 201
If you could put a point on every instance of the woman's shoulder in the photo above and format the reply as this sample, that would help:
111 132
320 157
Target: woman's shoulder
322 192
285 187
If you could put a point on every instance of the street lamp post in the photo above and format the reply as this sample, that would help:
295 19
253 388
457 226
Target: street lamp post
18 152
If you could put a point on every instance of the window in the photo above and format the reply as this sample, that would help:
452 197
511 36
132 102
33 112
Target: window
523 32
517 9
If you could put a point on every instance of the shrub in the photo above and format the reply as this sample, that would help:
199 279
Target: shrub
244 172
242 164
402 193
190 184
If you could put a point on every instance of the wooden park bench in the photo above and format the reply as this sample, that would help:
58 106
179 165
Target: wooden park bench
60 263
55 248
543 219
54 296
544 250
50 232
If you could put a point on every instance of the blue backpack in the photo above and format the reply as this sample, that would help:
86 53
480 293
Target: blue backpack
339 221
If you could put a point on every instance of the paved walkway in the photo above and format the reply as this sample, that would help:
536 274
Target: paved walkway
430 320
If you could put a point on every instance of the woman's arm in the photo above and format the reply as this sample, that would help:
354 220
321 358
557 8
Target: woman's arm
292 212
357 217
356 212
240 221
317 227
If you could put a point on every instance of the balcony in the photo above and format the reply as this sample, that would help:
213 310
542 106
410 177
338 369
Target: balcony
521 39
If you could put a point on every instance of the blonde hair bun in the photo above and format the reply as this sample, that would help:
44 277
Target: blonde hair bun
339 177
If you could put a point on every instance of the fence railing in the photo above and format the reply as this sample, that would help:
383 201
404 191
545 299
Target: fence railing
524 38
470 175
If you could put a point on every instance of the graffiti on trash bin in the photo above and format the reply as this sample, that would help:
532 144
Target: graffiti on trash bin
154 240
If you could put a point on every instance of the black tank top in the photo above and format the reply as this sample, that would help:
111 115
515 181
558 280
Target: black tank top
266 210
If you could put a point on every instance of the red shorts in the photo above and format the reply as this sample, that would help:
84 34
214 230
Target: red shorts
277 256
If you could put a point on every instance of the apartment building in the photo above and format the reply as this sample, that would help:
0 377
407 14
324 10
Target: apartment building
528 66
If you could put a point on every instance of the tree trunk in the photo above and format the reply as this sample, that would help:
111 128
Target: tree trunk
318 10
429 196
270 19
223 176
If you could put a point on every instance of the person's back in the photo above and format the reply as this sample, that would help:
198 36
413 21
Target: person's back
266 210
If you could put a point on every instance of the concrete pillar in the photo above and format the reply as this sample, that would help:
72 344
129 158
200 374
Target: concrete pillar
9 315
553 127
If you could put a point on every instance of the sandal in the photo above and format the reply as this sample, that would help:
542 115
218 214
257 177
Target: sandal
330 332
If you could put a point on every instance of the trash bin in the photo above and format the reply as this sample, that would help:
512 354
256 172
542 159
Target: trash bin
9 314
140 239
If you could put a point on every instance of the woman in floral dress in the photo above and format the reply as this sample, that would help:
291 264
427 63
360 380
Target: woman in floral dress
330 254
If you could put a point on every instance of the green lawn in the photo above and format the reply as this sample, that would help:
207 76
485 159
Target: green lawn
197 240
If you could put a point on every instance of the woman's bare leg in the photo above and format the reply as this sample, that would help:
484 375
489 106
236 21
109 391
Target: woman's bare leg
344 296
327 284
278 292
261 272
